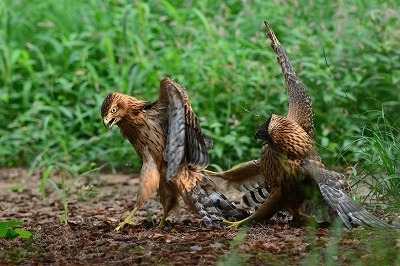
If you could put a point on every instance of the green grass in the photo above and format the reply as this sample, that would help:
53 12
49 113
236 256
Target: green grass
59 59
379 161
356 247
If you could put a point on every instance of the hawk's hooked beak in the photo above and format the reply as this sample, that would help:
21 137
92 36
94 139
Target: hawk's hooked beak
109 122
262 132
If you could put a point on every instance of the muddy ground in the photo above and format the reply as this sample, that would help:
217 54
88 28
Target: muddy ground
97 203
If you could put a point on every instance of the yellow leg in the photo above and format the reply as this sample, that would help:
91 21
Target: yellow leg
265 212
163 218
246 171
128 220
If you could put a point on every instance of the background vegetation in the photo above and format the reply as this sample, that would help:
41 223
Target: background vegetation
59 59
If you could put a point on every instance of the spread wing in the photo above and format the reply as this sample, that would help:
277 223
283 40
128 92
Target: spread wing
334 193
185 141
300 106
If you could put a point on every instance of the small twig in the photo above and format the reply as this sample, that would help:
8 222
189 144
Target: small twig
340 85
253 114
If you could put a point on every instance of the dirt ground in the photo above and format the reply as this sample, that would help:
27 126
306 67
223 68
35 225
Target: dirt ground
96 204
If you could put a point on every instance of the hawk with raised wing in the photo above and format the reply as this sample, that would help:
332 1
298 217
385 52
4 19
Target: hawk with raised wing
289 175
168 139
303 177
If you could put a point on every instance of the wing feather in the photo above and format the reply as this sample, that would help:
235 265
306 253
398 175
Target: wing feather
185 141
334 193
175 150
300 105
197 149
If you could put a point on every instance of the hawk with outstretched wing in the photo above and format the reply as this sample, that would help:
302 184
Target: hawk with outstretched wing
289 176
168 139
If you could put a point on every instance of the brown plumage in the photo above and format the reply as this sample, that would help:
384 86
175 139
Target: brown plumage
254 174
300 111
168 139
304 177
290 168
333 190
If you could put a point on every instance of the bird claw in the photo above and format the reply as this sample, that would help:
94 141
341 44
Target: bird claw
161 225
233 225
121 225
210 173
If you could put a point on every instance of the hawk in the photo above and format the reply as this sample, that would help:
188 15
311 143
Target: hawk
168 139
290 175
304 177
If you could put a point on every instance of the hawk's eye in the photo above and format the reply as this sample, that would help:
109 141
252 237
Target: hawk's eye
113 110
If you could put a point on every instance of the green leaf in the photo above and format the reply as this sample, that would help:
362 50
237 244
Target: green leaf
217 167
18 188
172 10
45 177
54 184
63 218
23 233
3 232
203 19
11 234
9 224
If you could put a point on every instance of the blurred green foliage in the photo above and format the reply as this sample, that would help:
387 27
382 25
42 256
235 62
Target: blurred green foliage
59 59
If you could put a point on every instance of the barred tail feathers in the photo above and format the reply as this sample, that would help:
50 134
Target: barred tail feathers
205 206
212 205
254 195
227 208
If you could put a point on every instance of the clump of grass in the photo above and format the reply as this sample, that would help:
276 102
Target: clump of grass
358 246
64 190
379 159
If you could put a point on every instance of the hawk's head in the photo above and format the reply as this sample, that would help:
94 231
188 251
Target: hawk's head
113 109
117 105
262 132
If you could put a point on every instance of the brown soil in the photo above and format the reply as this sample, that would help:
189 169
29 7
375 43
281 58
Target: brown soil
89 236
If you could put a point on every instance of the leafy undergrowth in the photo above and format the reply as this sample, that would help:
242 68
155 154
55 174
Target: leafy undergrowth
89 236
59 59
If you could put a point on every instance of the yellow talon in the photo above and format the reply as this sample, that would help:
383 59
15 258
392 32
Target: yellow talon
128 220
233 225
210 173
122 224
161 225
